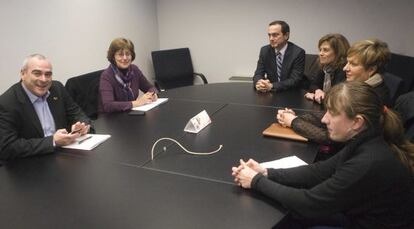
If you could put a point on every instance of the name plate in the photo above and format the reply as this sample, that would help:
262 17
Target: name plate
198 122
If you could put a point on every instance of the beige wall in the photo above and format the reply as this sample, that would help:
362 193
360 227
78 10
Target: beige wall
225 36
73 34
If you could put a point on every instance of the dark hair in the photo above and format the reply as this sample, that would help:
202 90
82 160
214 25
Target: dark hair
283 24
371 53
120 44
339 45
358 98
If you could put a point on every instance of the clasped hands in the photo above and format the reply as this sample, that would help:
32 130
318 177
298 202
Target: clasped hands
264 85
285 117
244 173
62 137
318 96
148 97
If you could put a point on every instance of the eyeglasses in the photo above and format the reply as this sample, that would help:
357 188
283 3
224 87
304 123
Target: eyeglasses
121 54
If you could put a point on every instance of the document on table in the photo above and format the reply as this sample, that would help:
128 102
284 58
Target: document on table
284 163
88 141
149 106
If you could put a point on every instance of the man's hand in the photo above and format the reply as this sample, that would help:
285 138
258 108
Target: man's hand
63 138
264 85
80 127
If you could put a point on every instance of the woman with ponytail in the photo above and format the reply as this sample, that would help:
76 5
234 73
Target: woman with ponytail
368 184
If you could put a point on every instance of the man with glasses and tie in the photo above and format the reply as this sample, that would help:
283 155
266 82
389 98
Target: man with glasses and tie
281 63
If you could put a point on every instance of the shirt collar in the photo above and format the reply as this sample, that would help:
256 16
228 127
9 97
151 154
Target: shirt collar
33 98
283 49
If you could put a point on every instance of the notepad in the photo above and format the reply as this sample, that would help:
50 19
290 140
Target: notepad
149 106
276 130
88 141
284 163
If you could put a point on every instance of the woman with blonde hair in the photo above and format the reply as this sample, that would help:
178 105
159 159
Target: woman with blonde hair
366 61
368 184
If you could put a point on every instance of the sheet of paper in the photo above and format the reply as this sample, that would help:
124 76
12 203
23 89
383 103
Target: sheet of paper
149 106
88 141
284 163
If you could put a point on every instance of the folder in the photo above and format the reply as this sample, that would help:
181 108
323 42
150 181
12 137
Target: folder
276 130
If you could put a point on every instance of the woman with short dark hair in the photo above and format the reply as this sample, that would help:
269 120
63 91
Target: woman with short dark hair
121 82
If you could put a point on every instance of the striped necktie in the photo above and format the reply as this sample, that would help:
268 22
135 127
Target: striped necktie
278 65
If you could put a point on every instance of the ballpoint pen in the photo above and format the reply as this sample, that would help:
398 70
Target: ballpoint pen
81 141
75 131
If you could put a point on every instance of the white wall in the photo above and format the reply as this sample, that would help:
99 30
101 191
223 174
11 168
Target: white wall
224 37
74 34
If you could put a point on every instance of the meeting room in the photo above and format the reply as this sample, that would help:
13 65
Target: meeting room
207 114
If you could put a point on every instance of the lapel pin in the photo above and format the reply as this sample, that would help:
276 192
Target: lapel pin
55 98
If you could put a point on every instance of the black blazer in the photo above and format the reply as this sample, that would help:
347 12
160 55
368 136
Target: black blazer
339 76
292 67
21 133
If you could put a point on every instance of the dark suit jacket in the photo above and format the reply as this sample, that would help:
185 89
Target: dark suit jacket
292 67
339 76
21 133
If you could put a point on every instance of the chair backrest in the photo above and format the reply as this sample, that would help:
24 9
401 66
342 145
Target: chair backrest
394 84
311 69
173 68
405 106
84 90
402 66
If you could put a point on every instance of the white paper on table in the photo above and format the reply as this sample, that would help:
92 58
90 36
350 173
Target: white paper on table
88 144
149 106
284 163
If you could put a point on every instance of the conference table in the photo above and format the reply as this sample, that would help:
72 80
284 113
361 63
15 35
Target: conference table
117 185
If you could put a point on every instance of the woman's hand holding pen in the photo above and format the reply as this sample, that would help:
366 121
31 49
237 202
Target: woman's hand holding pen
145 99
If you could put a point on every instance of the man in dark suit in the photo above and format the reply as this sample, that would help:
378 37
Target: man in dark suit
281 63
36 113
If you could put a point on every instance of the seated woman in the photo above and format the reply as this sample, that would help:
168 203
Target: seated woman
368 184
121 81
366 61
332 59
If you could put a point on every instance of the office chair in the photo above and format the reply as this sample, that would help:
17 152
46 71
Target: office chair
402 66
395 85
174 68
311 70
405 107
84 90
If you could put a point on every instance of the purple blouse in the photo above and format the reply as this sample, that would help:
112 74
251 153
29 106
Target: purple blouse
112 96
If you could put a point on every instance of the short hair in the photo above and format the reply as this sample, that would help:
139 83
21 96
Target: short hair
371 53
283 24
120 44
339 45
29 57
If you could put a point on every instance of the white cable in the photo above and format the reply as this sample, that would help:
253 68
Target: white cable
182 147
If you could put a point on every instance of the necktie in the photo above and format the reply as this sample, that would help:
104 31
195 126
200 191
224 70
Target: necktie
278 65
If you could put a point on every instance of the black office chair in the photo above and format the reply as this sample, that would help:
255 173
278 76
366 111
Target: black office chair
395 85
405 106
174 68
312 69
402 66
84 90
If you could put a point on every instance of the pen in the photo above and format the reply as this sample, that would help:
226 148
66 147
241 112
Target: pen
81 141
75 131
